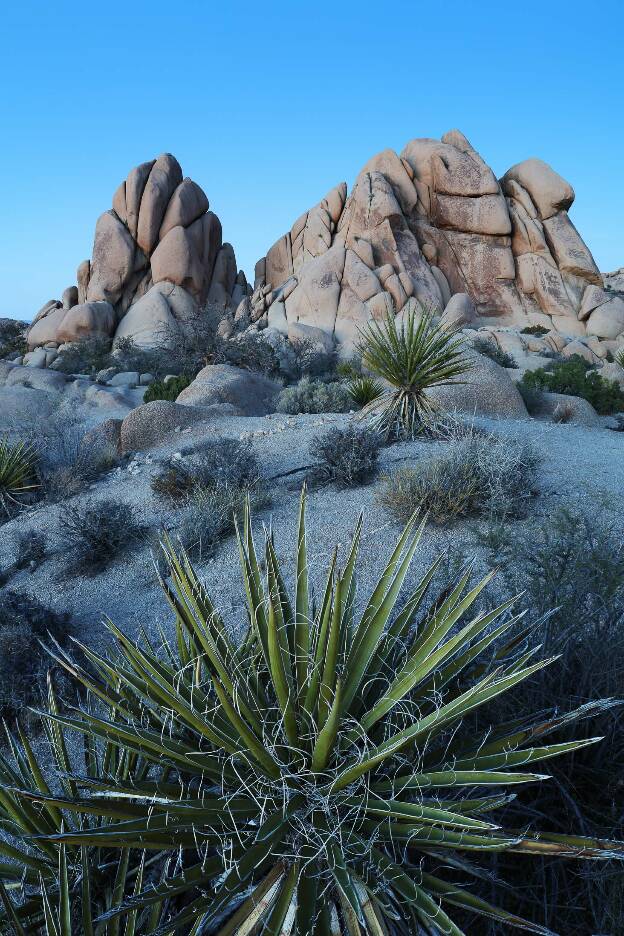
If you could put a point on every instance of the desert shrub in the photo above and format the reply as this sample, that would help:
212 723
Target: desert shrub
29 547
346 457
159 390
19 466
619 357
576 377
252 353
95 533
12 338
311 360
532 396
491 349
537 330
67 466
413 358
210 515
364 390
478 475
319 768
84 357
23 623
571 567
563 413
315 396
350 368
220 462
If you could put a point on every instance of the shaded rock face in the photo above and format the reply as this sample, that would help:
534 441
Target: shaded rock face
159 232
421 227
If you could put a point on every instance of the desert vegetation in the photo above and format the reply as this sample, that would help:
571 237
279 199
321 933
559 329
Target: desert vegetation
577 378
306 774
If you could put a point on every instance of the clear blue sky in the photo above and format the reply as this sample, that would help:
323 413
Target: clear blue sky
269 104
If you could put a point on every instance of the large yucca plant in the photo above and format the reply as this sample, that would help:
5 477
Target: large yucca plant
18 472
412 357
318 777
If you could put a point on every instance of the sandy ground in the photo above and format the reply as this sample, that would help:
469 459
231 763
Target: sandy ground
582 468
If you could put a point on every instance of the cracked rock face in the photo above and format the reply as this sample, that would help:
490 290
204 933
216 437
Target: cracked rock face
424 227
157 253
431 227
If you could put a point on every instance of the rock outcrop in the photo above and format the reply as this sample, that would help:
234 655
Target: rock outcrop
158 257
431 227
420 229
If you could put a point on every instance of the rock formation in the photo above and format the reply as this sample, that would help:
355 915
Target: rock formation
433 227
430 228
157 257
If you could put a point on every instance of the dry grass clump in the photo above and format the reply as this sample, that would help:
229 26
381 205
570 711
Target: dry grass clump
211 515
475 475
23 623
95 533
220 462
347 457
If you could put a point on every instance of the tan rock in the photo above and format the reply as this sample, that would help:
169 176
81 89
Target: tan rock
549 192
360 278
278 262
581 349
82 277
223 276
570 252
460 311
485 215
178 260
393 169
69 297
593 297
187 204
113 259
164 178
607 321
135 184
119 203
87 320
156 318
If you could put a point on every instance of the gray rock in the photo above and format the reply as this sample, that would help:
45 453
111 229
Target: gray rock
105 375
23 407
104 438
486 390
36 358
5 368
36 378
125 379
561 407
149 424
252 394
146 379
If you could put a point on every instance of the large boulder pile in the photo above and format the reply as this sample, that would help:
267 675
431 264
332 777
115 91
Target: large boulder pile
431 227
425 227
158 257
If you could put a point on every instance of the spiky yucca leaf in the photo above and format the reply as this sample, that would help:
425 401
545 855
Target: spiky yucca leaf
18 472
314 778
364 390
412 356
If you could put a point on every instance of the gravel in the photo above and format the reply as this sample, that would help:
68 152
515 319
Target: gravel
582 468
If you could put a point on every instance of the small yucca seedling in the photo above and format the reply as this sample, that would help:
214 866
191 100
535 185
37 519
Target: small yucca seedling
365 390
18 472
413 357
319 777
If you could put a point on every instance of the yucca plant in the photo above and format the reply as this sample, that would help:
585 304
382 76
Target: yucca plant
317 777
18 472
412 357
364 390
619 357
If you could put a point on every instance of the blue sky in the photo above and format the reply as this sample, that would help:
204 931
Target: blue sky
268 105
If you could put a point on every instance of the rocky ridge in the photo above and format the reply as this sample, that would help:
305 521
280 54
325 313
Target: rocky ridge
431 227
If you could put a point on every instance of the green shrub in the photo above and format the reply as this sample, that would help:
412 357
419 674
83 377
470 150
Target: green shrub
23 623
84 357
19 464
252 353
95 533
576 377
159 390
364 390
537 330
347 457
413 358
12 338
478 475
318 772
491 349
619 357
315 396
